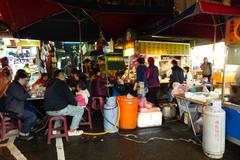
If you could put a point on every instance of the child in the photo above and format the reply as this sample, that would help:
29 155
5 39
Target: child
82 94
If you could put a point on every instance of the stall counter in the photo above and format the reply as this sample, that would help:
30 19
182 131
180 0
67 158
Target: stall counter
232 122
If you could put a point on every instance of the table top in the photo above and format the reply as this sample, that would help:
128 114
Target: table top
191 100
35 98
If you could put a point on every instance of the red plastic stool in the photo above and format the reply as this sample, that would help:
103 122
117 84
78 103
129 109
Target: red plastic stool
97 103
64 128
7 124
89 118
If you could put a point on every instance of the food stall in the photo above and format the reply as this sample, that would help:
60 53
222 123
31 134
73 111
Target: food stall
231 81
20 52
164 53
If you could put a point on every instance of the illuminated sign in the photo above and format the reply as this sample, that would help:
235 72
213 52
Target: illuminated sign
233 31
129 49
129 44
162 48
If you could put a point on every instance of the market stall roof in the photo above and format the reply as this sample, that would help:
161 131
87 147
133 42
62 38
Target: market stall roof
46 20
50 20
198 21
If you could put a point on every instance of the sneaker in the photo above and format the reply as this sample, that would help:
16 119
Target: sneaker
23 134
75 133
27 138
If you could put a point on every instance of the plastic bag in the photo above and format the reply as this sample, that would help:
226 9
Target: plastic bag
198 125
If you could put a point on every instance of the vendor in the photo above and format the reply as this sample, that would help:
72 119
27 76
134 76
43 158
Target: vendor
206 69
187 74
176 75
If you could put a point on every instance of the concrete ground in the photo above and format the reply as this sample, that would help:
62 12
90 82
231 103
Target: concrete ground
117 146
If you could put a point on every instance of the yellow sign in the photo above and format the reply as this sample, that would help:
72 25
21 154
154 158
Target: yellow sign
28 43
233 31
129 44
162 48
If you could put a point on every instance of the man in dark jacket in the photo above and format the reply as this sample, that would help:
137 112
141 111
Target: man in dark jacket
59 100
16 102
175 76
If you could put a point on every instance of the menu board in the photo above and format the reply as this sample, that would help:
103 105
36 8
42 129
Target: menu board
115 63
162 48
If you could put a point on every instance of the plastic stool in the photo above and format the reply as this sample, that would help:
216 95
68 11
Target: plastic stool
89 118
97 103
6 125
51 119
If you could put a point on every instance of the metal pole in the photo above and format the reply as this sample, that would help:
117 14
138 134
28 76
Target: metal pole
129 61
214 44
224 72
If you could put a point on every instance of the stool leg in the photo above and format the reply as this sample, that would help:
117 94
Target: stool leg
49 131
19 123
89 118
65 128
3 127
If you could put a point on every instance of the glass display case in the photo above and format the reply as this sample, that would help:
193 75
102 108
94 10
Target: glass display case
231 89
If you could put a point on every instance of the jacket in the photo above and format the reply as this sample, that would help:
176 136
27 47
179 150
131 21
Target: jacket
16 96
152 77
142 74
98 88
58 96
176 76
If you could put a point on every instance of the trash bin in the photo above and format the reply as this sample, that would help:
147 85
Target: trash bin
128 112
110 115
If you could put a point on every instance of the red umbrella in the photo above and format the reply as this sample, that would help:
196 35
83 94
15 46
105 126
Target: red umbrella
203 20
18 14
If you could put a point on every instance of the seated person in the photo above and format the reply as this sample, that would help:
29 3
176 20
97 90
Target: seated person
82 94
42 81
59 100
15 101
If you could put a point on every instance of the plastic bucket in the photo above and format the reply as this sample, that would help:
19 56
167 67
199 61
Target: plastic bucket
128 112
110 113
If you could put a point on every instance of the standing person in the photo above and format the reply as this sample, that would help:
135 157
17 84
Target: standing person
68 68
6 68
101 65
87 67
153 81
98 84
27 69
16 101
187 74
59 100
141 77
206 69
176 75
